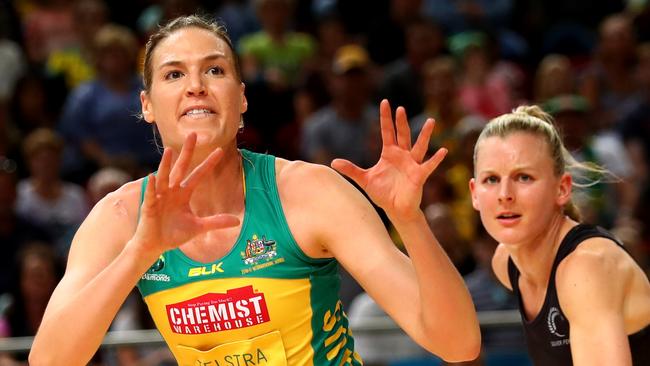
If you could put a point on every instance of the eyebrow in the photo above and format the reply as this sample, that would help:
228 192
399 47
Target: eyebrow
210 57
516 169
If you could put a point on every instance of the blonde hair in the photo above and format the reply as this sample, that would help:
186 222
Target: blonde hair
532 119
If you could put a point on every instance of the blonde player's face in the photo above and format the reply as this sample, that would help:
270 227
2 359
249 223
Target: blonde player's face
194 88
515 189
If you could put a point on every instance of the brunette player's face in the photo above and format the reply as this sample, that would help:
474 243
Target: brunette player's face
194 88
515 188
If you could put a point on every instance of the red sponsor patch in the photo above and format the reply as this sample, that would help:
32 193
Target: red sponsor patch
209 313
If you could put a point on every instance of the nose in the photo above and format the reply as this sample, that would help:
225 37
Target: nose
196 86
506 193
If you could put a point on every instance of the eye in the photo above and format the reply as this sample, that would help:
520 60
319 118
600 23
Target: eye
172 75
216 70
524 178
491 179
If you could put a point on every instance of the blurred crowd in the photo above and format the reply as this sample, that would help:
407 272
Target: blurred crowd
315 71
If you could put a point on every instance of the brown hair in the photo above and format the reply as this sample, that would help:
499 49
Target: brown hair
532 119
189 21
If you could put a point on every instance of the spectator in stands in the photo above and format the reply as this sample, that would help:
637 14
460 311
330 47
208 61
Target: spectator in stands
485 86
44 198
38 270
99 121
75 63
441 101
15 231
239 18
33 105
608 83
345 127
386 32
48 27
273 61
554 77
275 54
404 79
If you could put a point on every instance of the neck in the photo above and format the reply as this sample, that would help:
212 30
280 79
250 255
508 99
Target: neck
222 189
535 259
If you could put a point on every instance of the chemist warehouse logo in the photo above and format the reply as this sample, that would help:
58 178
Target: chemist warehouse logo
213 312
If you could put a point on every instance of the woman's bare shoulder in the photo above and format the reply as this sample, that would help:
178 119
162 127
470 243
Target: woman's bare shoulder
300 178
106 230
117 211
127 197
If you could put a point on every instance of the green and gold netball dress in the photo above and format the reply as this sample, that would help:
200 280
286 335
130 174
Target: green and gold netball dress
264 303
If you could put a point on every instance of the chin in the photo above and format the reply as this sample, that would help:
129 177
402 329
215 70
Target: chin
505 235
203 138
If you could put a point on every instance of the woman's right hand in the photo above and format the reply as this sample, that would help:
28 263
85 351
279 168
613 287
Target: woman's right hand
166 218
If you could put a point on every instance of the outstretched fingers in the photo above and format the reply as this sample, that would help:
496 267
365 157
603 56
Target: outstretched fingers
403 129
179 171
386 124
348 169
433 162
422 143
206 165
162 179
150 194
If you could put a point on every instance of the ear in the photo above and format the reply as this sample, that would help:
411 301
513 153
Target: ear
564 189
472 190
147 108
244 101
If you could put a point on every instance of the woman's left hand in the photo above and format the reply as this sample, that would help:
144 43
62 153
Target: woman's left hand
395 182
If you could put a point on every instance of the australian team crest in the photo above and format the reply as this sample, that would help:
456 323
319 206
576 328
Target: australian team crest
258 250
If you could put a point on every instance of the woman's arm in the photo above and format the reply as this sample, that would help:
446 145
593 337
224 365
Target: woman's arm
109 254
101 271
591 285
424 293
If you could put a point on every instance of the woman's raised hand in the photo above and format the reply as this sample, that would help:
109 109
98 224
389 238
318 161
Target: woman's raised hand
166 219
395 182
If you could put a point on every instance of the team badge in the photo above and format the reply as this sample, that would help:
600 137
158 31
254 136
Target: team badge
153 274
258 250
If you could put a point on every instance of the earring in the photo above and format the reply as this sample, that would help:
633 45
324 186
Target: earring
241 124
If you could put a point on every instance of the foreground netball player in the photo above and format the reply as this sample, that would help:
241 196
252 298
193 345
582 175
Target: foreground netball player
583 299
235 253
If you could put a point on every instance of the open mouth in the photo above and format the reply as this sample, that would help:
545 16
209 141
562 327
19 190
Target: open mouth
198 112
508 216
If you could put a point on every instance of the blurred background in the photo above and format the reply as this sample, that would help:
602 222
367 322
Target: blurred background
315 71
